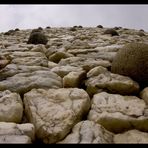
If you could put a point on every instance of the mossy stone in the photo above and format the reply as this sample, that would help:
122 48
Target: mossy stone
37 38
132 61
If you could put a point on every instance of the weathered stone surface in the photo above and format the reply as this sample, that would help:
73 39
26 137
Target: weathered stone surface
12 69
16 133
84 50
64 70
131 137
15 139
52 64
103 80
24 82
11 107
41 48
118 113
85 63
88 132
55 111
29 58
74 79
109 56
144 95
56 57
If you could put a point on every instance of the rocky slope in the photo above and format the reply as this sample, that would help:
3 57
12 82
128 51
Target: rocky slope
64 91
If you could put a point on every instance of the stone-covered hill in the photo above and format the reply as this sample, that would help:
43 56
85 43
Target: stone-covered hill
63 91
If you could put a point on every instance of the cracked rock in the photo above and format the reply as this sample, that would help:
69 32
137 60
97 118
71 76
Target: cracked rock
88 132
118 113
74 79
100 79
55 111
24 82
16 133
11 107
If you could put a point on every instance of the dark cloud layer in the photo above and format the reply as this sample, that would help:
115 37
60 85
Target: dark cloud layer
32 16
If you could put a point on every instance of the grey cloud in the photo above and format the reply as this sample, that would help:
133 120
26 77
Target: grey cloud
32 16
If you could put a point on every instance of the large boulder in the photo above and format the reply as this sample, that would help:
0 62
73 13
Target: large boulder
23 82
12 69
100 79
55 111
88 132
131 61
119 113
29 58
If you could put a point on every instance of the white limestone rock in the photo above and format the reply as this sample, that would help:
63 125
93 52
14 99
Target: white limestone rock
88 132
16 133
24 82
118 113
131 137
55 111
100 79
11 107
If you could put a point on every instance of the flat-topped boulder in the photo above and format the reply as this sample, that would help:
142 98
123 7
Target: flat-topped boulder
100 79
85 63
119 113
23 82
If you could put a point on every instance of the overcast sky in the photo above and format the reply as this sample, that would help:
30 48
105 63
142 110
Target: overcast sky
33 16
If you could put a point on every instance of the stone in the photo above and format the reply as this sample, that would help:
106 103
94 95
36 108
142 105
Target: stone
16 133
64 70
85 63
112 32
118 113
37 38
12 69
23 82
131 61
108 56
99 26
100 79
41 48
74 79
56 57
131 137
144 95
11 107
88 132
52 65
29 58
55 111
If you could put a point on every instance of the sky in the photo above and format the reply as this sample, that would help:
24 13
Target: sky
34 16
